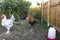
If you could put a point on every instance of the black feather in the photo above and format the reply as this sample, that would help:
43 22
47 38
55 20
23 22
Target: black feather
32 23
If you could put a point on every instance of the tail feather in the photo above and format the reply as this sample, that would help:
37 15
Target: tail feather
32 23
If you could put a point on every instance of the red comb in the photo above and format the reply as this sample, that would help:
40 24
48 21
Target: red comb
2 16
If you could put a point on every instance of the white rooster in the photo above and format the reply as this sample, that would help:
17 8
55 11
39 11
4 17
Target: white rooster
7 23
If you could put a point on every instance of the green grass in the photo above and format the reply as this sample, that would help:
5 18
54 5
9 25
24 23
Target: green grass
0 24
45 25
0 21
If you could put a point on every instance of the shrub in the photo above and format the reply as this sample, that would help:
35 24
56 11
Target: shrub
17 7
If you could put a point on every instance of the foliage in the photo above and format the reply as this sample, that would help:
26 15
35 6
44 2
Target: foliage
17 7
35 14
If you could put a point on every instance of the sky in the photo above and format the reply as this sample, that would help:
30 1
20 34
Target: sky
34 2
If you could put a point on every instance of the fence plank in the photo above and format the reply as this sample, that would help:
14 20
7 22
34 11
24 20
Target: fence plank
54 16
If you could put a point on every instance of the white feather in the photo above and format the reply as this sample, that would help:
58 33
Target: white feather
7 23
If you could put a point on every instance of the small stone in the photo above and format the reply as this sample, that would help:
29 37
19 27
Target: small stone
3 39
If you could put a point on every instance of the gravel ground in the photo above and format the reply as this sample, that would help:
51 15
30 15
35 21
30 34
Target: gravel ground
21 31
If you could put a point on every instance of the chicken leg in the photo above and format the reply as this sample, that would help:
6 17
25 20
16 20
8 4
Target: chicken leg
8 30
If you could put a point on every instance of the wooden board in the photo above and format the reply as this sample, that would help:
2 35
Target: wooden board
57 15
45 15
54 13
59 18
45 5
52 16
54 1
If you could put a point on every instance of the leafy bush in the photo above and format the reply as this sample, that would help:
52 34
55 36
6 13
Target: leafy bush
17 7
35 14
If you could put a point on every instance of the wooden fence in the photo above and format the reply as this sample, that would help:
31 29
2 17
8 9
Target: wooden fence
53 12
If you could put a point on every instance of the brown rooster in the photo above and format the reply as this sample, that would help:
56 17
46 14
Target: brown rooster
31 21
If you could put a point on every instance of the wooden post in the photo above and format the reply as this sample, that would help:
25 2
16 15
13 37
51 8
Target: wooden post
42 12
48 13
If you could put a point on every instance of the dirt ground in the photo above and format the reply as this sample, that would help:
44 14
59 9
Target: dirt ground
21 31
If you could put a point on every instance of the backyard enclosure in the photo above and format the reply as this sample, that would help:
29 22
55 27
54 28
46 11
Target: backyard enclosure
50 13
52 10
